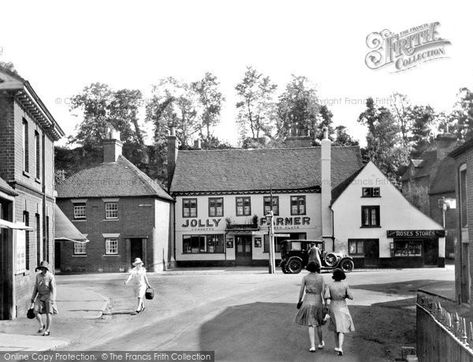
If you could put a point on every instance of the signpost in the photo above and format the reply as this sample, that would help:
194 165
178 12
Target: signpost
272 261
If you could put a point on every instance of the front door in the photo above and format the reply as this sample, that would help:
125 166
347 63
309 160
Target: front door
136 249
243 250
371 249
57 255
431 251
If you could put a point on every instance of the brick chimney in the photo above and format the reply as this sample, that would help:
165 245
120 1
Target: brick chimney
326 189
446 142
172 155
112 146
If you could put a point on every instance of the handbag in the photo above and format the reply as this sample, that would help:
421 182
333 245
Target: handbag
299 305
149 294
30 314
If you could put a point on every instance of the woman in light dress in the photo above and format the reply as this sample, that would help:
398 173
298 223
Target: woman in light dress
340 317
311 312
140 282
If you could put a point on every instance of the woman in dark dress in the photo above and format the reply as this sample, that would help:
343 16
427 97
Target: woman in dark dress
311 313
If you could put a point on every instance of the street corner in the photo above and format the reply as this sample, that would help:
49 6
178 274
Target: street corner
21 342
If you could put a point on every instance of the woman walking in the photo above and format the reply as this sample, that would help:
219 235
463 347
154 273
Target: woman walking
140 281
311 312
340 317
43 299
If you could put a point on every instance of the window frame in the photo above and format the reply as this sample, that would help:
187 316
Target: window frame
206 239
79 204
37 145
108 246
370 209
371 192
271 207
243 199
357 252
299 198
108 203
215 214
83 247
184 200
26 146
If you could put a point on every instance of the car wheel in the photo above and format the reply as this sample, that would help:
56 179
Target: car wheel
294 265
347 265
330 259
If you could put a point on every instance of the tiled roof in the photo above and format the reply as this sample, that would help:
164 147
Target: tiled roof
444 179
337 191
65 229
468 145
111 179
6 188
259 169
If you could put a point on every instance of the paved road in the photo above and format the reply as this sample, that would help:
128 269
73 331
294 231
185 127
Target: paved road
247 315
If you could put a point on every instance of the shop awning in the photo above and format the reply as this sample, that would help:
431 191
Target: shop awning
4 224
65 229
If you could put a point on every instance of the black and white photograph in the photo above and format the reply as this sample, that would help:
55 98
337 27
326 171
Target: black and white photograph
236 181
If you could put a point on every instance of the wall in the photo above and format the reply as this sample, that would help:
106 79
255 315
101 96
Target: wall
136 219
161 240
396 213
218 225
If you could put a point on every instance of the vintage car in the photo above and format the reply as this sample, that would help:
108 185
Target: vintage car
294 256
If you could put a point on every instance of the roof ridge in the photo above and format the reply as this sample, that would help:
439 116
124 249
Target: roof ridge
269 149
144 178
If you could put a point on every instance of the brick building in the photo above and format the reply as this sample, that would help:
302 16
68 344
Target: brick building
463 172
429 182
27 135
122 212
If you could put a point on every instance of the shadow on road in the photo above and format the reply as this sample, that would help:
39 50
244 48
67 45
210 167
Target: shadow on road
267 332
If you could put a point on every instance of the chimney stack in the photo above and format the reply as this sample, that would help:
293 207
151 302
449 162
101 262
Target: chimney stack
112 146
446 142
172 155
326 189
197 144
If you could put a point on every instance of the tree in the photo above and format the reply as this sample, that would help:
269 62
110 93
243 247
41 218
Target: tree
384 142
342 138
400 106
8 66
324 121
256 105
211 100
463 113
298 109
422 119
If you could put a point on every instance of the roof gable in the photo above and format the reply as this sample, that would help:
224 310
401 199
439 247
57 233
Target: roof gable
111 179
259 169
371 176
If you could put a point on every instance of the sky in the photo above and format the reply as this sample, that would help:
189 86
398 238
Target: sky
62 46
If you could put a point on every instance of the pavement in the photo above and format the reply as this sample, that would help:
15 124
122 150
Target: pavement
73 305
86 303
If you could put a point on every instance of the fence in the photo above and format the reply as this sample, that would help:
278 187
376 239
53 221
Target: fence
442 334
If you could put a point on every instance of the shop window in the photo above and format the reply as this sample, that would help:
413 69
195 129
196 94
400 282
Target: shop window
297 205
243 206
79 211
189 207
111 210
407 248
267 205
80 248
111 246
355 247
203 244
370 192
370 216
215 206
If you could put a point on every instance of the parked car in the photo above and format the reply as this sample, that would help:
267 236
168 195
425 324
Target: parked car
295 255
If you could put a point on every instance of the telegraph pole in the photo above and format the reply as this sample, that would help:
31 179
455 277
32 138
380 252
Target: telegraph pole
272 260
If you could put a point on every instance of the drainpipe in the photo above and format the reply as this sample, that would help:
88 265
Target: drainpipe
43 177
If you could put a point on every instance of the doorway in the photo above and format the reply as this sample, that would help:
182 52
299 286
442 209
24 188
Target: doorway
136 249
243 249
57 255
371 247
431 251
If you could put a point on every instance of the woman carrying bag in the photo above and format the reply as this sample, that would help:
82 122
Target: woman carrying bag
140 281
